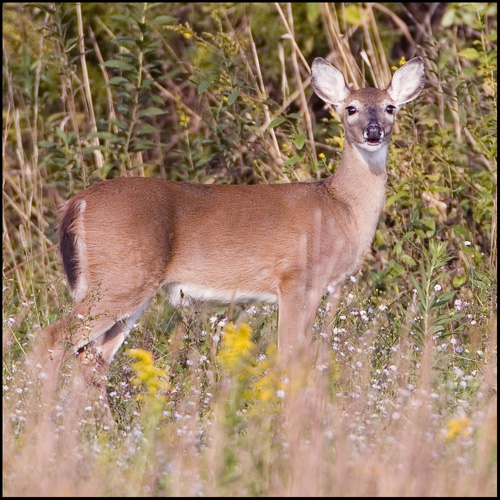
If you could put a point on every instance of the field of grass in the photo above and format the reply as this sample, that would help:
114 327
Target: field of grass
400 396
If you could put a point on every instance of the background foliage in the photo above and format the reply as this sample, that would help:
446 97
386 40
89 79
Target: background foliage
219 93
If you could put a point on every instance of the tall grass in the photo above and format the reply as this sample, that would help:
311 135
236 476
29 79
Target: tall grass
400 398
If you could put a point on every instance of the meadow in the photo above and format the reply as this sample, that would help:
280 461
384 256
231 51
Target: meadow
401 397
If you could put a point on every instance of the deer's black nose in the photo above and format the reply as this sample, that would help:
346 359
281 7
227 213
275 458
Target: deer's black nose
373 132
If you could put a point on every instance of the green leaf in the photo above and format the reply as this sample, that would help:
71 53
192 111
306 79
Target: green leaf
445 297
46 144
118 80
419 290
125 19
151 47
152 111
130 56
144 144
122 108
146 128
232 97
379 238
163 20
119 123
62 135
204 86
293 160
459 281
429 224
396 269
469 53
447 318
400 194
126 96
436 329
146 83
157 99
106 168
448 18
70 44
468 250
299 141
407 259
44 7
398 248
313 11
428 121
125 41
353 15
107 136
119 65
275 123
90 149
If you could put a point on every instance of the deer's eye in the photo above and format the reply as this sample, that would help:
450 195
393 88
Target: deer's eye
390 109
351 110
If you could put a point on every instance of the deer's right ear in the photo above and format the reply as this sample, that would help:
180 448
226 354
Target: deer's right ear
328 82
407 81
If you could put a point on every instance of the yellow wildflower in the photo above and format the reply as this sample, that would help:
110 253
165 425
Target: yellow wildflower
268 386
142 356
146 372
236 347
458 427
339 141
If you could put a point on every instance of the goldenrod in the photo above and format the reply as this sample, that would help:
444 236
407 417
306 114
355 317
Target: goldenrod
236 347
146 372
458 427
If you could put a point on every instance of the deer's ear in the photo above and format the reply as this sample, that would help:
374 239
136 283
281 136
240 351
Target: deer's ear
407 82
328 82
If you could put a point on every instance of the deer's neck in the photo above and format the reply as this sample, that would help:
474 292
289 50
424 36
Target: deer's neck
359 184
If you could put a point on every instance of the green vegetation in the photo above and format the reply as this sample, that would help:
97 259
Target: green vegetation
401 399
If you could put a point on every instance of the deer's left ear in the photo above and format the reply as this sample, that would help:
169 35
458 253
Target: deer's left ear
407 82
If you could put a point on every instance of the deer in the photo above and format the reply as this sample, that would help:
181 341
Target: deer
124 239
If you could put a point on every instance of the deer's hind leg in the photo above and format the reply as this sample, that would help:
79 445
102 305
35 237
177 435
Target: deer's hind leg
94 334
60 338
96 356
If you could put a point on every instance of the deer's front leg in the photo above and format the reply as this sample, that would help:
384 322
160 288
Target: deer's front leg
297 311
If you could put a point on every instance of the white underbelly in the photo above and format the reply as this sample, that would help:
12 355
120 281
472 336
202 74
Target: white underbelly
187 293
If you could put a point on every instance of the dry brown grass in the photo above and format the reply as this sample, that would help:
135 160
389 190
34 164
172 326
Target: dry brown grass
320 439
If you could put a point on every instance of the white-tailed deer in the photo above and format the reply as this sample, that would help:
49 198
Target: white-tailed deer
122 240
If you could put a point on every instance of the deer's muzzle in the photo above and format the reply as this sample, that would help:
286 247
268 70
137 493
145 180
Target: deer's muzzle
373 134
